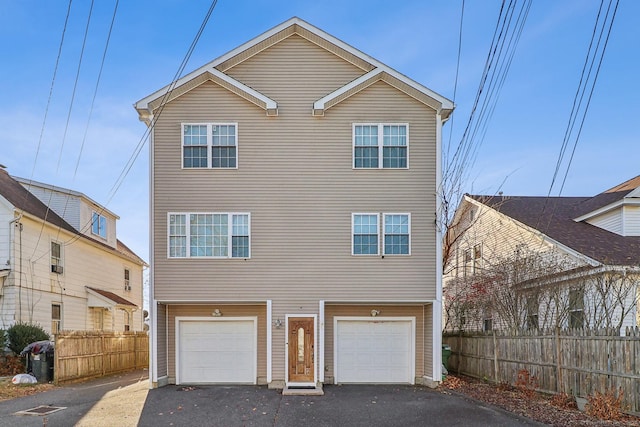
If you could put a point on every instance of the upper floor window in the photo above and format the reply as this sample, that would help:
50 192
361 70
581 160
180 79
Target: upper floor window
212 235
209 145
56 258
99 225
365 234
127 282
380 145
366 231
397 232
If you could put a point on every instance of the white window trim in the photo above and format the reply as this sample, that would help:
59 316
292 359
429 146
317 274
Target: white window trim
384 215
61 258
59 321
380 144
188 235
353 229
99 215
209 126
127 281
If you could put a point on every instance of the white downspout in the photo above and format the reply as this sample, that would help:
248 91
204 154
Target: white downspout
436 371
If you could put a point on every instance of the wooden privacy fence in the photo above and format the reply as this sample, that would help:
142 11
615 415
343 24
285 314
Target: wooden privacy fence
87 354
578 363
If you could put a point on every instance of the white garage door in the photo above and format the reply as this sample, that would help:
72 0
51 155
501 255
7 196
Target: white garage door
216 351
374 351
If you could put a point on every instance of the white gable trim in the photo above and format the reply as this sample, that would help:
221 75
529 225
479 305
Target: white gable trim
540 234
608 208
143 105
271 105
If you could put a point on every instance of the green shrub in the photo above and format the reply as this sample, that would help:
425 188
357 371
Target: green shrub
3 340
21 335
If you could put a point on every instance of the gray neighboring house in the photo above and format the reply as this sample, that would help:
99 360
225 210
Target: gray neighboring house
293 192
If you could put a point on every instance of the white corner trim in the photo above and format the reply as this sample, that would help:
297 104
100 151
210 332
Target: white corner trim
269 341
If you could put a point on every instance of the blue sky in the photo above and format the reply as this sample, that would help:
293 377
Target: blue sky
517 154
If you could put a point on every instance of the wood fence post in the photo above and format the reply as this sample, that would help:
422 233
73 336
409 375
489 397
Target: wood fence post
102 352
559 385
495 357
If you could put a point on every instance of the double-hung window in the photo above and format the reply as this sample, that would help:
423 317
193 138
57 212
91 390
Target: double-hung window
380 146
209 235
209 145
394 233
397 232
365 230
99 225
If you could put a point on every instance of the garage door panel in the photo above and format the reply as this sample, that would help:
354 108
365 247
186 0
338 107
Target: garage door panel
213 351
377 351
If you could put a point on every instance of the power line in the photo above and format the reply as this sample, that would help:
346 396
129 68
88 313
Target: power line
145 136
585 81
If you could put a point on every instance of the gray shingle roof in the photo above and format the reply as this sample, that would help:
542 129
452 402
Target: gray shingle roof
554 217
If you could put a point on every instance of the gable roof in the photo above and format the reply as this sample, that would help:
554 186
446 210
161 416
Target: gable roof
554 217
373 71
25 201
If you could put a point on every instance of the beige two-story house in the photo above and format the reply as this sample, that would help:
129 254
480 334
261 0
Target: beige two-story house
61 265
293 197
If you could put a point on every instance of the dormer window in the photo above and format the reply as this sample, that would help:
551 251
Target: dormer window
99 225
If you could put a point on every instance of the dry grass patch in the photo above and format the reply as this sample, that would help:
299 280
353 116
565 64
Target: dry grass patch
8 390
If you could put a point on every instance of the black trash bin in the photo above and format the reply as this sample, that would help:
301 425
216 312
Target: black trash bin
446 352
41 366
40 360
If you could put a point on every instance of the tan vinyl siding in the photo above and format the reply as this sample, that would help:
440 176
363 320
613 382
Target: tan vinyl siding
332 311
296 180
163 345
228 311
295 73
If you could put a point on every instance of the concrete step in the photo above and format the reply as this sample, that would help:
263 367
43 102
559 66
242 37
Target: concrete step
303 391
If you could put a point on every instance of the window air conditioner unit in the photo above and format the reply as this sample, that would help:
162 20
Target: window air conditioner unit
56 269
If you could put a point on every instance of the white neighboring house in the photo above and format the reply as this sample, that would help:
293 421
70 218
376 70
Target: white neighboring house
61 264
536 262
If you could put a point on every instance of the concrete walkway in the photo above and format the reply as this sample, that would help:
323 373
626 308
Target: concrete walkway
116 400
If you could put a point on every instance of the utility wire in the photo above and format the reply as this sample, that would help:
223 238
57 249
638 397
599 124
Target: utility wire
145 136
595 79
585 81
53 81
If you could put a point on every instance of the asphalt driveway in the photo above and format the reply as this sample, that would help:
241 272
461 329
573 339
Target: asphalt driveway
125 400
346 405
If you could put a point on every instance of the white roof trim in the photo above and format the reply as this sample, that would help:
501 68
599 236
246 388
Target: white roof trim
319 104
66 191
607 208
270 103
144 103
